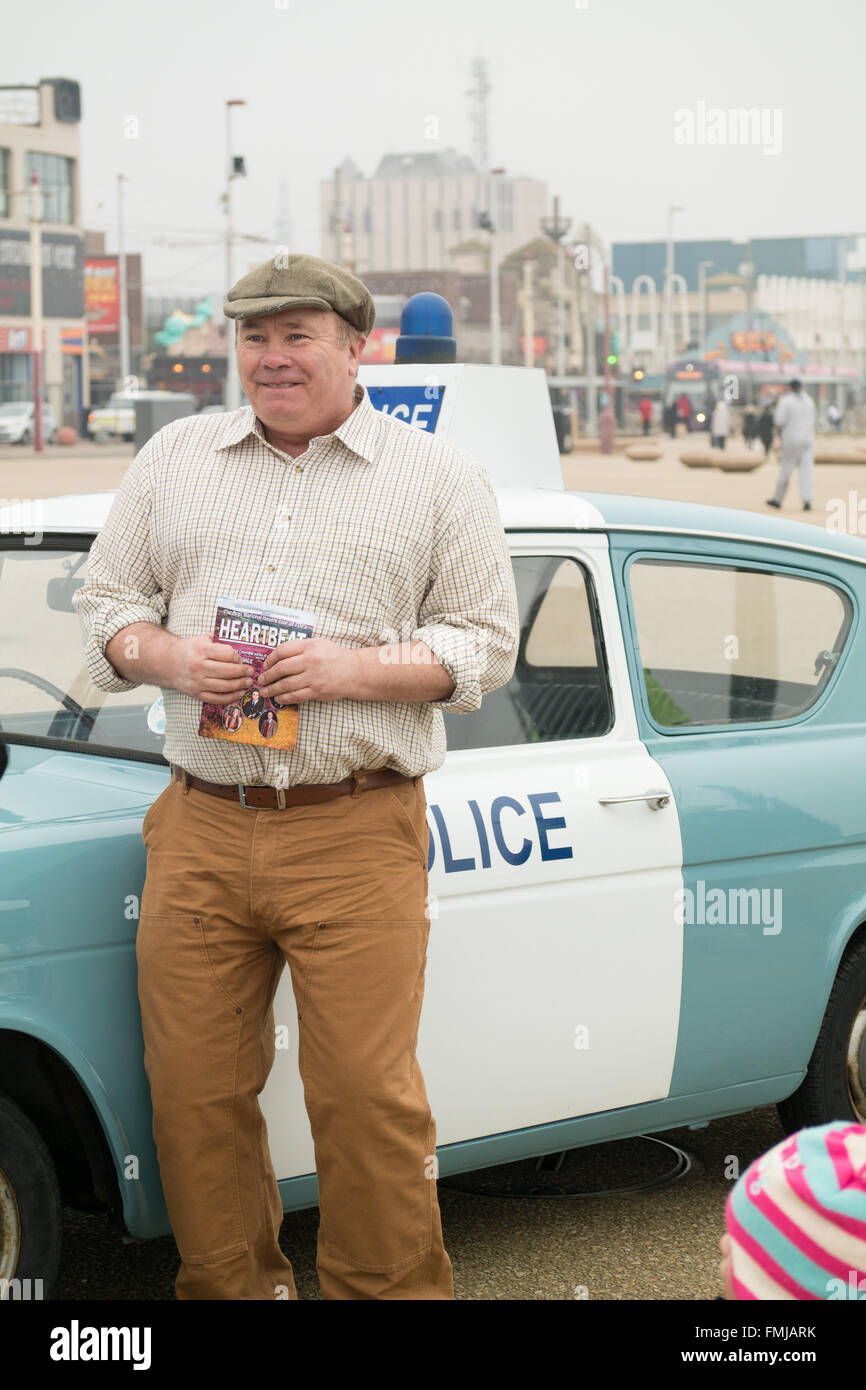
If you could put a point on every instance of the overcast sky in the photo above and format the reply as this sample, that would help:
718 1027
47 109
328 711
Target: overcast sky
584 95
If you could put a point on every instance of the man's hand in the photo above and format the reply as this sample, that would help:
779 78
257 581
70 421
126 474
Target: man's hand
310 668
208 671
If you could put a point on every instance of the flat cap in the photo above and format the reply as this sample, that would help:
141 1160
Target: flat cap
286 282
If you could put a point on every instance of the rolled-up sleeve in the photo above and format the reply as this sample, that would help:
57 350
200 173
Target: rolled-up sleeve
120 587
469 617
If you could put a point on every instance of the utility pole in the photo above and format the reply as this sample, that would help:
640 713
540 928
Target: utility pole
748 270
232 387
607 422
556 227
495 322
36 307
121 275
338 217
667 336
702 300
589 337
528 313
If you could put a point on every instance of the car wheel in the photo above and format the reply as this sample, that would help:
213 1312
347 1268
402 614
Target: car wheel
129 439
834 1087
30 1209
26 438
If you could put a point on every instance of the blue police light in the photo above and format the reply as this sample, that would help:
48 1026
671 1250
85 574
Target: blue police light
426 326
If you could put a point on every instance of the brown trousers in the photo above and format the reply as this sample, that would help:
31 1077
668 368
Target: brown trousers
339 890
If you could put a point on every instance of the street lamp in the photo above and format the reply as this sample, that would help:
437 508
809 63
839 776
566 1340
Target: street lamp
669 270
556 227
234 170
702 301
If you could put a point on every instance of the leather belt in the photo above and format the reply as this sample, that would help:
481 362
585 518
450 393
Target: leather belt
276 798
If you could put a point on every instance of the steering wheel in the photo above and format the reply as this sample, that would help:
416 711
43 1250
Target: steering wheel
72 706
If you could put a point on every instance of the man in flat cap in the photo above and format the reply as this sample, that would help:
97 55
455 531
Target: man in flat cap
307 498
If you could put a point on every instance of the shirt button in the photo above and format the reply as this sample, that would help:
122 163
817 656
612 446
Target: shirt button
285 518
270 569
299 468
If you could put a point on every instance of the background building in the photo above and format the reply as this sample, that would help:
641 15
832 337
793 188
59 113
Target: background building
102 314
813 287
39 133
418 206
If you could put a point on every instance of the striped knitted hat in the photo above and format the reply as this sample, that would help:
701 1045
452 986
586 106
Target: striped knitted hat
797 1218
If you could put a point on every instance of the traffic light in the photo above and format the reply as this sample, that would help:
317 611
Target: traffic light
612 359
638 374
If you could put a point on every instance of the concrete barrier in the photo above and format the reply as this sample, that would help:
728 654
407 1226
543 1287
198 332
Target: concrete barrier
645 453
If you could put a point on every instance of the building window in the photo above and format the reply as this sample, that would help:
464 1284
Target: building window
458 220
4 184
56 176
368 221
437 219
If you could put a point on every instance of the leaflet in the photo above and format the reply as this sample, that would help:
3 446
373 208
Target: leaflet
254 630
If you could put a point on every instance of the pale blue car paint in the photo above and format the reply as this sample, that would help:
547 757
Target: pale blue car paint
777 805
67 963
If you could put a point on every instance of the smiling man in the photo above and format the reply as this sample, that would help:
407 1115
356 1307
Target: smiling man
307 498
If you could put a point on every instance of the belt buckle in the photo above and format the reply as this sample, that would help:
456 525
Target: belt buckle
281 798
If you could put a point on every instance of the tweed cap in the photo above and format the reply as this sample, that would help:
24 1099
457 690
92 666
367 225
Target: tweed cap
286 282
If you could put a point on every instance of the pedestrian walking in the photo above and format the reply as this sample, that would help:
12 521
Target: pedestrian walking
684 410
795 421
317 855
645 410
765 428
750 426
669 418
720 425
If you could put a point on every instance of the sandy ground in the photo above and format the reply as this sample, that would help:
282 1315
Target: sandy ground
657 1245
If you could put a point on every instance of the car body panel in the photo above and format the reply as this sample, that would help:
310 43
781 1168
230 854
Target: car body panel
567 941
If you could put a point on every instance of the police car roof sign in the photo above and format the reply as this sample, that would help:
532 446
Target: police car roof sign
501 415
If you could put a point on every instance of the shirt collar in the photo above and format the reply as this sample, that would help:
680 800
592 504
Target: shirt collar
359 431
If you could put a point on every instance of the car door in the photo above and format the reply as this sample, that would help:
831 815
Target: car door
554 961
748 678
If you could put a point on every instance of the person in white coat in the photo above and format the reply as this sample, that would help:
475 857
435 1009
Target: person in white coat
720 425
795 421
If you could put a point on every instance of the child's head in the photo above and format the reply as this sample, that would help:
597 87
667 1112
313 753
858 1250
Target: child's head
796 1220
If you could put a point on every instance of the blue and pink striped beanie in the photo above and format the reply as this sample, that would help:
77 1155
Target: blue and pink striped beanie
797 1218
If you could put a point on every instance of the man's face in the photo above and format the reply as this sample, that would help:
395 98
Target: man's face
296 375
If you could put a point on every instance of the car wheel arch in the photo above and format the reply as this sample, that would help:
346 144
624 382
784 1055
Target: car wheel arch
47 1090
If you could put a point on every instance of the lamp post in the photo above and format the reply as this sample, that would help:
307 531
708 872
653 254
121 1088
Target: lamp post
36 307
556 227
702 300
233 170
121 277
668 292
747 272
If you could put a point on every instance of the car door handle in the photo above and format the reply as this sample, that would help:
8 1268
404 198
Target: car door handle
655 800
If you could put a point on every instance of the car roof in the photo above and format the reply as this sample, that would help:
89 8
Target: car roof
537 509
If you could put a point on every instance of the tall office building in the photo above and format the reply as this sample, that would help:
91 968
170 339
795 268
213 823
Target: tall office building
417 208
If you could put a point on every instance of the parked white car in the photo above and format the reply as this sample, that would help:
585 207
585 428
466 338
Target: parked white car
117 416
18 422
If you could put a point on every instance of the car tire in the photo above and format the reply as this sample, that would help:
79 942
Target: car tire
834 1087
26 438
128 438
30 1207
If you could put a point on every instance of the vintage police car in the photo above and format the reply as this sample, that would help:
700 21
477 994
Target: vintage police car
647 860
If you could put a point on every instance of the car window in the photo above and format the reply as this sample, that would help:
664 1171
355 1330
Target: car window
45 690
724 644
560 687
